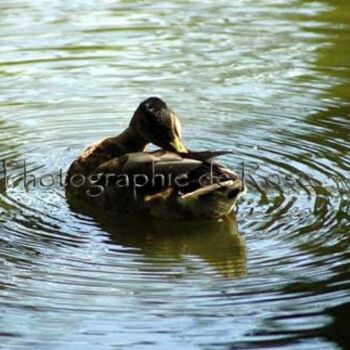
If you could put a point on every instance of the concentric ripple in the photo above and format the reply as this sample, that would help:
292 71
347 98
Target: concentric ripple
268 80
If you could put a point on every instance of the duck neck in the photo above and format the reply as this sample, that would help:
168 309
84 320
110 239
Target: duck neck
132 141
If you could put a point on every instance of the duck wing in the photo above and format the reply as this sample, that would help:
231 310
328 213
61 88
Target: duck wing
204 155
148 172
153 172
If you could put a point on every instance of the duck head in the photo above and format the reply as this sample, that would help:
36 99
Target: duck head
155 122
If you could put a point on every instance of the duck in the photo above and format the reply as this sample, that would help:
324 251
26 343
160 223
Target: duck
118 174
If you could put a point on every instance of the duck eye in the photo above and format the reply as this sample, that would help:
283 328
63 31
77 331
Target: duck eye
152 117
150 112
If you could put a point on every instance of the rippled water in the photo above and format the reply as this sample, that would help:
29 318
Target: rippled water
267 79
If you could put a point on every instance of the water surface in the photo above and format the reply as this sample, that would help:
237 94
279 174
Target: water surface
268 80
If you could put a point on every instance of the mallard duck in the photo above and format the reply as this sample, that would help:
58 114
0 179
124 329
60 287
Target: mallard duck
117 174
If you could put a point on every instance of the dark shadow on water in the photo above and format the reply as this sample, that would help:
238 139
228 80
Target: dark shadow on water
215 242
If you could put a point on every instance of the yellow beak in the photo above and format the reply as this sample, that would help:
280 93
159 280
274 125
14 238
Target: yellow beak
178 145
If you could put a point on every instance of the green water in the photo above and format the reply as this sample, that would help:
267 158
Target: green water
269 80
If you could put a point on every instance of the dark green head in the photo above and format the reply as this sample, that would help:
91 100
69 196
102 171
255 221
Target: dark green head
158 124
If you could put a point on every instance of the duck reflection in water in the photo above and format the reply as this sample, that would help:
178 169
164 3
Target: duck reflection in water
217 243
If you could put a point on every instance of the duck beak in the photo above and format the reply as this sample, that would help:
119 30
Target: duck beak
178 145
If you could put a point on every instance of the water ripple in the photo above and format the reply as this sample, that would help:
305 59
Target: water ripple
267 80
